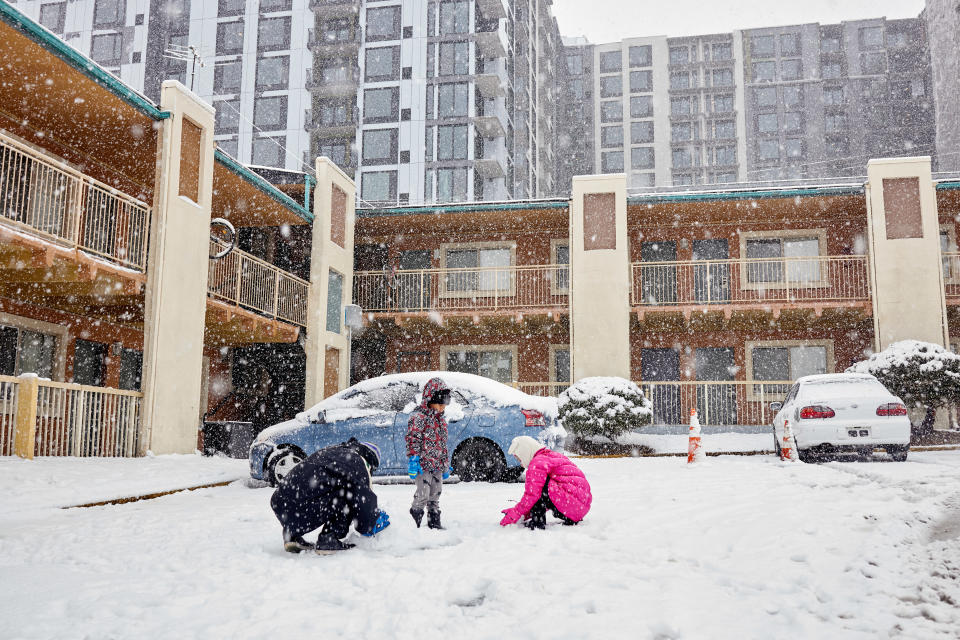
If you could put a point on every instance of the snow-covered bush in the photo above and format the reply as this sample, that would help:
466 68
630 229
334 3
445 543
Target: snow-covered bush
604 406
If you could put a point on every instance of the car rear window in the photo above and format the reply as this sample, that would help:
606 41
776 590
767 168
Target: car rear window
838 388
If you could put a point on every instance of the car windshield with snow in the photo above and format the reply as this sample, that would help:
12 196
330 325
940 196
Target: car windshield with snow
483 418
842 413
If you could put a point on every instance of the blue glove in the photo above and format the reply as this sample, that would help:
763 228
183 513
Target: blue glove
413 467
447 472
383 521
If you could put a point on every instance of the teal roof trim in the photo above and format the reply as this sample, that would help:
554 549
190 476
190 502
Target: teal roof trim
262 185
79 61
654 198
948 186
492 206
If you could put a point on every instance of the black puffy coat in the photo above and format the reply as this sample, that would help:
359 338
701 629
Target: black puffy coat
328 484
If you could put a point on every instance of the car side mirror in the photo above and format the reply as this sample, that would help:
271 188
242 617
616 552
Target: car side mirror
776 406
320 418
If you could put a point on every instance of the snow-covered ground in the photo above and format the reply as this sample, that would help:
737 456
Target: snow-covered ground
735 547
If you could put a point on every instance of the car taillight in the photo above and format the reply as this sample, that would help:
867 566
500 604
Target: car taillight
891 409
816 411
533 418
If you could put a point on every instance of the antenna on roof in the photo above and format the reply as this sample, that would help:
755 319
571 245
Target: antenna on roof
186 53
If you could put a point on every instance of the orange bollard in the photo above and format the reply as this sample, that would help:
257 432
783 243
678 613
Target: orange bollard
786 448
694 452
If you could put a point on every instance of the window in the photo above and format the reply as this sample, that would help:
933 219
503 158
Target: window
835 123
947 245
895 39
270 113
108 13
338 151
273 33
560 363
679 55
833 96
767 123
871 38
611 86
334 300
380 105
230 146
787 362
794 271
680 80
383 23
681 158
723 104
227 76
640 56
53 16
26 351
337 30
721 51
611 136
722 77
106 48
454 17
764 71
762 46
641 81
382 63
380 146
89 362
641 132
479 265
131 369
768 150
724 130
832 70
875 62
611 161
575 64
681 132
454 58
452 99
793 148
725 155
452 142
792 121
452 185
790 69
765 97
611 111
228 115
790 44
496 364
682 179
681 106
575 86
229 38
642 180
641 158
379 186
273 73
793 96
641 107
275 5
335 71
230 7
610 61
830 44
267 151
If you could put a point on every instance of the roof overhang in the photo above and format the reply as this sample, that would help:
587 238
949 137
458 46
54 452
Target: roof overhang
248 200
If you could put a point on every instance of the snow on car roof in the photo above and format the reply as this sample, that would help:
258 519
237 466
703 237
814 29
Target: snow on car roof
497 393
837 377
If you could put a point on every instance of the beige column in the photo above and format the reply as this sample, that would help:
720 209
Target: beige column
331 263
905 266
176 294
599 277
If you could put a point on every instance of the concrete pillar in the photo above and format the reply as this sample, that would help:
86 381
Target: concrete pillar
599 277
176 293
906 271
331 261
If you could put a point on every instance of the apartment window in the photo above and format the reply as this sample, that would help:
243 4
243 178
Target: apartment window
643 180
722 77
25 351
724 130
792 121
227 76
270 113
560 255
610 61
611 161
334 300
830 44
681 158
641 158
762 46
454 17
721 51
871 38
611 111
452 142
106 48
765 97
484 258
482 361
267 6
768 150
947 245
641 81
681 132
790 44
764 71
793 96
380 105
790 69
833 96
379 186
452 185
230 7
767 123
267 151
641 132
611 86
793 148
640 56
835 123
575 64
383 23
131 369
335 71
803 271
273 73
832 70
452 99
611 136
786 363
108 13
380 146
722 104
454 58
89 362
838 147
895 39
53 16
725 155
339 152
228 115
682 179
873 62
382 63
230 146
229 38
575 86
338 30
681 106
641 107
679 55
680 80
273 33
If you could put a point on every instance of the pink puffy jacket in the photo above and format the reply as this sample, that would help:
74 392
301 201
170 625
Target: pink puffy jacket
568 489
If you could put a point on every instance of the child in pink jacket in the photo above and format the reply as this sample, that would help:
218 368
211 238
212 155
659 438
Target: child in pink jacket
554 483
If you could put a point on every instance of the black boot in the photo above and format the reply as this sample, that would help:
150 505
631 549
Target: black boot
433 520
295 544
417 516
328 543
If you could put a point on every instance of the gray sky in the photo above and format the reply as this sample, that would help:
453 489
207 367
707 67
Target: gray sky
611 20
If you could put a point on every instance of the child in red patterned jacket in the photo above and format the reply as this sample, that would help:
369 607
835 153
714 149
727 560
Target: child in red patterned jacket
427 451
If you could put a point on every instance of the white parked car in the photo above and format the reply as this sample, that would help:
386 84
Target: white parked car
842 413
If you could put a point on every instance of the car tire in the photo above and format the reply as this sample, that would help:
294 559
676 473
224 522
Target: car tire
898 453
776 444
479 460
281 462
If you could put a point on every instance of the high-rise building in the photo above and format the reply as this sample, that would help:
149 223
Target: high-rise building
942 20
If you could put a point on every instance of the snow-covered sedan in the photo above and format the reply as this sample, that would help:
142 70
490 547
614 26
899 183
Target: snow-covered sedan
842 413
483 417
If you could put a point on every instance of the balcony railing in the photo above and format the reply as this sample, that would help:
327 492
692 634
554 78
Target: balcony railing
806 280
718 403
480 289
9 388
545 389
251 283
47 198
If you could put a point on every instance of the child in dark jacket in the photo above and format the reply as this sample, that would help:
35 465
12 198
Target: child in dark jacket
427 452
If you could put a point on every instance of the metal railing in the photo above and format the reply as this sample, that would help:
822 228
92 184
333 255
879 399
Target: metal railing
252 283
951 273
718 403
755 280
546 389
9 386
484 288
50 199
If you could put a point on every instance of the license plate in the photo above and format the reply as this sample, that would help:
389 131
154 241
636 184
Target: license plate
858 432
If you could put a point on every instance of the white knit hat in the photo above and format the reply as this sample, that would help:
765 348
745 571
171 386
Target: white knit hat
524 447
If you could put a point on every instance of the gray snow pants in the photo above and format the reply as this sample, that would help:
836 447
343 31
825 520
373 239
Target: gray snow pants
429 486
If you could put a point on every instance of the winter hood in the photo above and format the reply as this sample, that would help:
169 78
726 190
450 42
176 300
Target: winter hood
433 385
524 447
